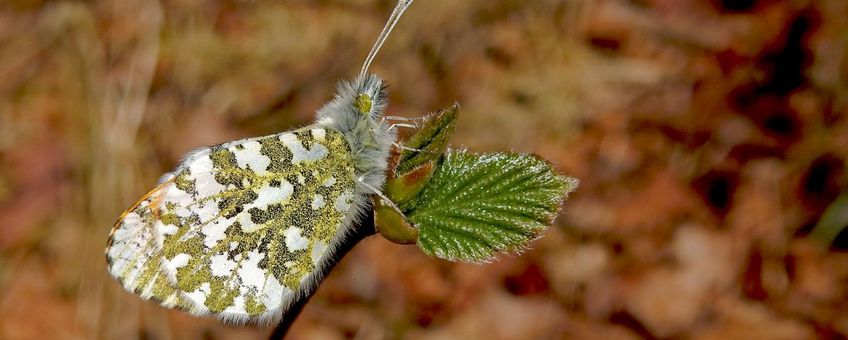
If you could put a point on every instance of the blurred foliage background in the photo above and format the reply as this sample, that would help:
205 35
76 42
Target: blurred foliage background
709 135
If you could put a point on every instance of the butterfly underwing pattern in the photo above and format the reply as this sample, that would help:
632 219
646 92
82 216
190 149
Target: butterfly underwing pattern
240 230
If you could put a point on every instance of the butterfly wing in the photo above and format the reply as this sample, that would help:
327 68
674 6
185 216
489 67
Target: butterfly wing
239 229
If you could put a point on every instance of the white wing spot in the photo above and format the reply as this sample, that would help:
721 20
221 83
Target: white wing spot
317 202
250 156
198 296
208 210
250 273
121 233
268 195
343 201
319 134
237 307
205 184
329 181
179 261
183 211
272 293
221 265
318 252
246 223
172 194
166 229
299 153
200 165
201 171
214 233
294 241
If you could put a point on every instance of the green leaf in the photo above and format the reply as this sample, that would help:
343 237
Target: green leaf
411 171
478 205
429 142
410 184
391 223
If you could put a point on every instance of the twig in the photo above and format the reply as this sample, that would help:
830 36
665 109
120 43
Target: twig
363 230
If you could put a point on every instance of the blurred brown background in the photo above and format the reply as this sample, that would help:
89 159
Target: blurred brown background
710 136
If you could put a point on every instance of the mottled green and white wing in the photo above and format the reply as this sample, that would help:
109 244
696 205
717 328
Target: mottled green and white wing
238 230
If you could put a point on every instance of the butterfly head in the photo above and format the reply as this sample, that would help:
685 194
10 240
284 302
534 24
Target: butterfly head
369 96
357 106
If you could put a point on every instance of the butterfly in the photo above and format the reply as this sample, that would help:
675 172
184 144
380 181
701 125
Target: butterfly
240 230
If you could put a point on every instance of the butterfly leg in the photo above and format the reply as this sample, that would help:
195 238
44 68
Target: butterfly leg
398 145
411 126
377 192
409 149
403 119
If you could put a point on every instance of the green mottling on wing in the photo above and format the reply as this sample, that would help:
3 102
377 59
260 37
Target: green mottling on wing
149 273
183 303
170 219
193 246
242 187
278 153
227 169
301 266
162 288
253 306
184 183
220 297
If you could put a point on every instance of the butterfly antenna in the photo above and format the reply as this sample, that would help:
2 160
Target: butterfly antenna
401 6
